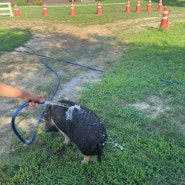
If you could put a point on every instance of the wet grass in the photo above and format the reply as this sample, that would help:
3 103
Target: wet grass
140 149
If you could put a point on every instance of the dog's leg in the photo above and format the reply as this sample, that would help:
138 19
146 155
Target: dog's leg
66 138
87 158
93 158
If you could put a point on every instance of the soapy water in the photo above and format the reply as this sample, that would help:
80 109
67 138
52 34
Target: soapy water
115 144
69 113
56 103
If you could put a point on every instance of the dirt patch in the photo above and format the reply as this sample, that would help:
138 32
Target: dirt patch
152 108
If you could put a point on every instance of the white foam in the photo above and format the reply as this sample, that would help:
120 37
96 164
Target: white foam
69 113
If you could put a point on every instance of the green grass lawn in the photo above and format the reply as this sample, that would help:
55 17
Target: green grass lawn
142 148
86 12
11 38
151 71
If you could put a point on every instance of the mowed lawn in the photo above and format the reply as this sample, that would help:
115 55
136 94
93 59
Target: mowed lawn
140 100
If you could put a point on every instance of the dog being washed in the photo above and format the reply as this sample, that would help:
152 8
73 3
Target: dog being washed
80 125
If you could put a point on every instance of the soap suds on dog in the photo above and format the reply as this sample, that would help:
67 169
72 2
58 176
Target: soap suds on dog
69 113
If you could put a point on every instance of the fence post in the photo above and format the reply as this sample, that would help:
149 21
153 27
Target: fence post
6 9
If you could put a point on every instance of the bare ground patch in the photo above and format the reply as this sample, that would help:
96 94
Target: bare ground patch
153 107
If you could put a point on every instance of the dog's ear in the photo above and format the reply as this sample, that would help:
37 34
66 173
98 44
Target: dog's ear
50 125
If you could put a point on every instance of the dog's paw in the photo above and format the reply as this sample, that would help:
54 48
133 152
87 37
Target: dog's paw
66 140
89 158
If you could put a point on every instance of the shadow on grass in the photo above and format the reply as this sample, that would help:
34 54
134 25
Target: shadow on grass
13 37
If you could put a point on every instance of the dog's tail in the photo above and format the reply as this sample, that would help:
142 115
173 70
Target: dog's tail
99 151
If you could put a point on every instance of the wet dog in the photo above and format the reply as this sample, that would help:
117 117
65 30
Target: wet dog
80 125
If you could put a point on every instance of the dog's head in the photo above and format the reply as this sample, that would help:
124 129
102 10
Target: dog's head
50 125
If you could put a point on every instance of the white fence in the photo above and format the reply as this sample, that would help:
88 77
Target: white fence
6 9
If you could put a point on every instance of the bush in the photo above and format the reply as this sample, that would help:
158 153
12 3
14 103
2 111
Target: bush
37 2
27 2
20 2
